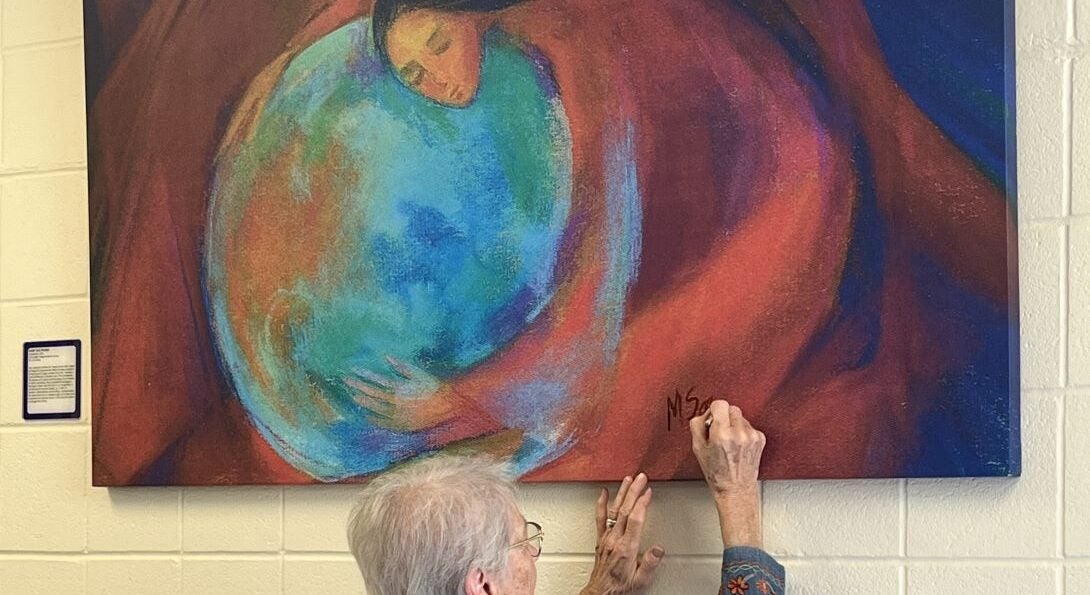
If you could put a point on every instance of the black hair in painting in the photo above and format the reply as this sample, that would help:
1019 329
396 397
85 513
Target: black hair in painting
386 11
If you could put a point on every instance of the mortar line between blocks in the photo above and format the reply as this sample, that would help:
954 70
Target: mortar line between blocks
1067 87
1061 479
46 428
1065 307
1 157
87 443
283 582
43 45
283 545
1025 222
181 525
60 300
903 512
44 171
1 87
902 580
283 531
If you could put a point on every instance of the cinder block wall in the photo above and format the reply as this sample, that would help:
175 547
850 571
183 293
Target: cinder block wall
58 535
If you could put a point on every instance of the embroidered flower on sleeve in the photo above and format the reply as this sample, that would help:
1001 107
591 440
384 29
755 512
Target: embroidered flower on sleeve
764 587
738 586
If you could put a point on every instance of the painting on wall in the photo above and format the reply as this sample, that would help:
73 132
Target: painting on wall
331 236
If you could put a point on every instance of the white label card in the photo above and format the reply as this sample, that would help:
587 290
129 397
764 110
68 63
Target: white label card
51 386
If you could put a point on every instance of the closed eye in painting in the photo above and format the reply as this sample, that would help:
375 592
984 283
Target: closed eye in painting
438 42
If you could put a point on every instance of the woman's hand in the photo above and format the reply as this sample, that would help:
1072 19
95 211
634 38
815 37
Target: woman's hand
618 565
729 451
409 400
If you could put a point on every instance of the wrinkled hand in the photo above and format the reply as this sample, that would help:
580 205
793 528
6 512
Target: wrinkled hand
618 565
408 400
729 451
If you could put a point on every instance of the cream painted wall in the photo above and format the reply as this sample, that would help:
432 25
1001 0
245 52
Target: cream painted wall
59 535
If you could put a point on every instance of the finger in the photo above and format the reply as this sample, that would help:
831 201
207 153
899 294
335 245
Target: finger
600 512
372 406
379 419
391 422
403 369
373 401
633 527
372 392
719 410
635 491
375 379
737 419
615 508
699 429
649 564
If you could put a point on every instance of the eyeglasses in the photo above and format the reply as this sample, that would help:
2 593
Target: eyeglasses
536 537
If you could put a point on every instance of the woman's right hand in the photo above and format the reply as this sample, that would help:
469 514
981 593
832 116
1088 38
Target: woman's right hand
618 565
729 451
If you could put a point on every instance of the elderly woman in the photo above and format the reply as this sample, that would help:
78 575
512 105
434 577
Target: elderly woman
451 525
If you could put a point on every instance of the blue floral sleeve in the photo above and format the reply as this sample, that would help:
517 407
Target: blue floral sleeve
750 571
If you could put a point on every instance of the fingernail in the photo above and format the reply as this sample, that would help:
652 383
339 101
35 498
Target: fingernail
641 475
657 551
627 478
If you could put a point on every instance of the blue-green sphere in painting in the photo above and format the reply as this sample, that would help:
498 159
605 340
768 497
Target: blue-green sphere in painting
353 220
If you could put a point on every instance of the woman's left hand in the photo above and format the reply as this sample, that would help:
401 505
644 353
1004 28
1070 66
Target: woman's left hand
618 565
408 400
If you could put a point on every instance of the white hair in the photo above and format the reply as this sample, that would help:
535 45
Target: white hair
422 527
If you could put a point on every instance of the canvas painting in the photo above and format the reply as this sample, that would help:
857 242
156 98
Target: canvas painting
333 236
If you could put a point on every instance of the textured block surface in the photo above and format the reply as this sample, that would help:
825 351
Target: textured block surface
133 520
32 577
1080 139
1079 312
956 579
51 259
231 576
843 578
1040 111
38 21
43 491
1077 480
1041 270
797 511
304 576
134 575
314 518
1078 580
43 119
250 523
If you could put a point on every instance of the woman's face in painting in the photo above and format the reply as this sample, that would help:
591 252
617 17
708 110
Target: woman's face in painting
438 53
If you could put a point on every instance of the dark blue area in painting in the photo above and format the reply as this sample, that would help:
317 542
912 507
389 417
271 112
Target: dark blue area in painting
949 56
952 59
972 427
